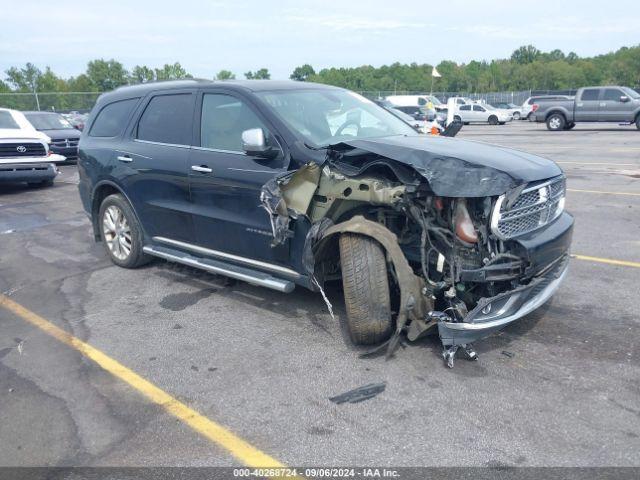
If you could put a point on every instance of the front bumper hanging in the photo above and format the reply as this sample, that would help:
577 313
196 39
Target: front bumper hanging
493 314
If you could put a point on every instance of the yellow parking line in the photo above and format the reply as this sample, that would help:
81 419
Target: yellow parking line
623 263
604 192
240 449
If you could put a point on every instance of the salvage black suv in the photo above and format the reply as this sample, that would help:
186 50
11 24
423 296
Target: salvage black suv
290 183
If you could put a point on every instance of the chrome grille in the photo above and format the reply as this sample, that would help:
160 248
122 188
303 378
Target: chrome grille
535 207
65 142
22 149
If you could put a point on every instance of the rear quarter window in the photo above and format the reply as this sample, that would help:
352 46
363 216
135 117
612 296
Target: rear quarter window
168 119
590 94
112 119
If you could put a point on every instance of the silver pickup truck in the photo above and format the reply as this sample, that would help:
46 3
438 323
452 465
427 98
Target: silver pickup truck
591 104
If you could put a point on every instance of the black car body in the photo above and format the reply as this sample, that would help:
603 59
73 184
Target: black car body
263 180
64 137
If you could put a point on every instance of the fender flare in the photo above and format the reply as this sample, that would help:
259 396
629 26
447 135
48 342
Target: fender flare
94 219
413 303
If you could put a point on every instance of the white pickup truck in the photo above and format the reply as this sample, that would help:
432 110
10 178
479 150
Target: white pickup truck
24 154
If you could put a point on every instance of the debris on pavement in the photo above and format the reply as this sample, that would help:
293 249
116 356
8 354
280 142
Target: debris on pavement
508 354
359 394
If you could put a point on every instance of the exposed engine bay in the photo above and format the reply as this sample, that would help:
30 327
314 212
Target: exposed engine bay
449 232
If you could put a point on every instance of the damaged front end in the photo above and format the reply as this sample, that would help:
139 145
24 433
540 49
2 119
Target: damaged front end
470 246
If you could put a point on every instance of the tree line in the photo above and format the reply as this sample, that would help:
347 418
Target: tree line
527 69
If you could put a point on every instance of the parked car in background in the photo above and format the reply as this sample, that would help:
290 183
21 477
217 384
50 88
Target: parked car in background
527 105
476 113
512 108
591 104
418 125
293 183
76 119
64 138
24 156
17 120
417 101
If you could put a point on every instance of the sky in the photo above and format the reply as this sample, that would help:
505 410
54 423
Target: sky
207 36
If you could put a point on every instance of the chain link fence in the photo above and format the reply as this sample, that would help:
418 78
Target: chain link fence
50 101
84 101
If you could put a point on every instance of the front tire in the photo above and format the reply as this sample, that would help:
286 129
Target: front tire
516 115
556 122
121 232
493 120
366 289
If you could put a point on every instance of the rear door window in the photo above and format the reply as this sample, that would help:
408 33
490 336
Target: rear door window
590 94
168 119
478 108
112 119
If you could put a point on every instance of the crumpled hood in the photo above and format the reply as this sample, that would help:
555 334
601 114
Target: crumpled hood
461 168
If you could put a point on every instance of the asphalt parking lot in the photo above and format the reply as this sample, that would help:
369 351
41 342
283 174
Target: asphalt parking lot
558 388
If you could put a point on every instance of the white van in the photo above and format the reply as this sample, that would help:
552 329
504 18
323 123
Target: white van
416 100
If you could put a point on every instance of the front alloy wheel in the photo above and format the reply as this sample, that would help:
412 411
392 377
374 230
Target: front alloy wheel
116 232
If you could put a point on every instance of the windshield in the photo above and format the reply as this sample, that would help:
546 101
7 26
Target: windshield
630 92
403 116
7 121
47 121
327 117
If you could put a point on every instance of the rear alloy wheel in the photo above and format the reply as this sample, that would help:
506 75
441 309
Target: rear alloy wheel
121 232
556 122
493 120
516 115
366 289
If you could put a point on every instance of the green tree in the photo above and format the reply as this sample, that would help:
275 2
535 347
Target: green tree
225 75
172 72
302 73
25 79
142 74
106 74
525 54
262 74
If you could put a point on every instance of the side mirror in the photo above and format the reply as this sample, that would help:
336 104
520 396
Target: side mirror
624 98
254 143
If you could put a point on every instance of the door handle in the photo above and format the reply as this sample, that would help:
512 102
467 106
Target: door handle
201 168
124 158
603 104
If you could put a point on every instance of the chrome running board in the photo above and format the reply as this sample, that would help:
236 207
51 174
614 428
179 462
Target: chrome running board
221 268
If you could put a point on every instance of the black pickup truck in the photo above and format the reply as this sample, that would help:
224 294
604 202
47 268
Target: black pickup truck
591 104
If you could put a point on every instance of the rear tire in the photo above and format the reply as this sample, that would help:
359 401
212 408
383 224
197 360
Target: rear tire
493 120
121 232
556 122
516 115
366 289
